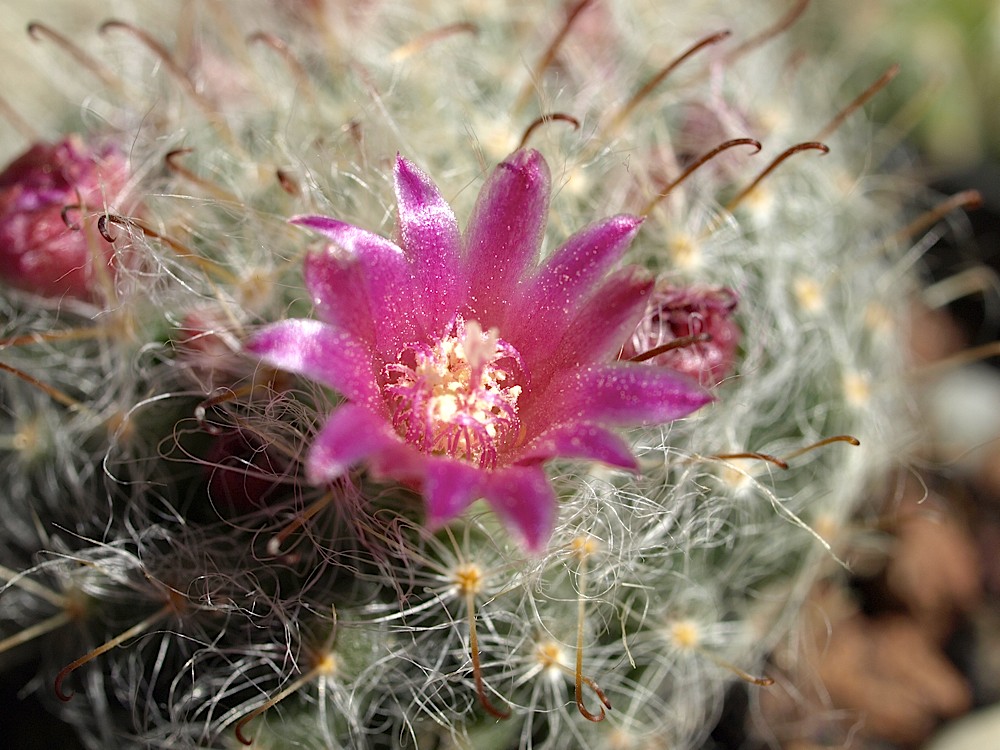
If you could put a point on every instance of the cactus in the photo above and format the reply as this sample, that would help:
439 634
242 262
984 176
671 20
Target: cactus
169 548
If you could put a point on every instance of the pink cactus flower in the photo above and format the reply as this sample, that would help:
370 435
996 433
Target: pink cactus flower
465 364
39 251
698 317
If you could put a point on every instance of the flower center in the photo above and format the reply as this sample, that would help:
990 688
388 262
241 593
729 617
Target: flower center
457 397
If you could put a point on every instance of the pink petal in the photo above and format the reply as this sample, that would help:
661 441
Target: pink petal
555 294
394 299
505 233
321 352
351 435
589 441
622 394
449 488
607 318
429 237
337 287
597 332
524 499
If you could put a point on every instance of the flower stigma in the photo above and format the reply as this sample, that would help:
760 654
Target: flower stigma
458 397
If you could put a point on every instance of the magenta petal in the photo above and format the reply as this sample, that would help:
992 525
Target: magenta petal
623 394
321 352
596 334
608 317
578 440
394 299
351 435
555 294
525 500
429 236
449 487
505 233
337 287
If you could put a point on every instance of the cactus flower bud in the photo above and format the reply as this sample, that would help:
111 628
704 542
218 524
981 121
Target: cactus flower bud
676 313
47 245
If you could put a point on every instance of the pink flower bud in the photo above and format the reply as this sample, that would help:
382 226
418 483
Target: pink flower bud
209 351
49 243
242 475
684 315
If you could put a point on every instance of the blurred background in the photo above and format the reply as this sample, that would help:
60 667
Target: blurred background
911 650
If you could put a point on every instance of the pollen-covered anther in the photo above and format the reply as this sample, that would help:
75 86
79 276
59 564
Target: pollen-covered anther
459 396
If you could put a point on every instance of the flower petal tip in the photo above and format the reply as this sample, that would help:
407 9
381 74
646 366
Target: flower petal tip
629 222
403 164
525 500
530 163
331 228
319 473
